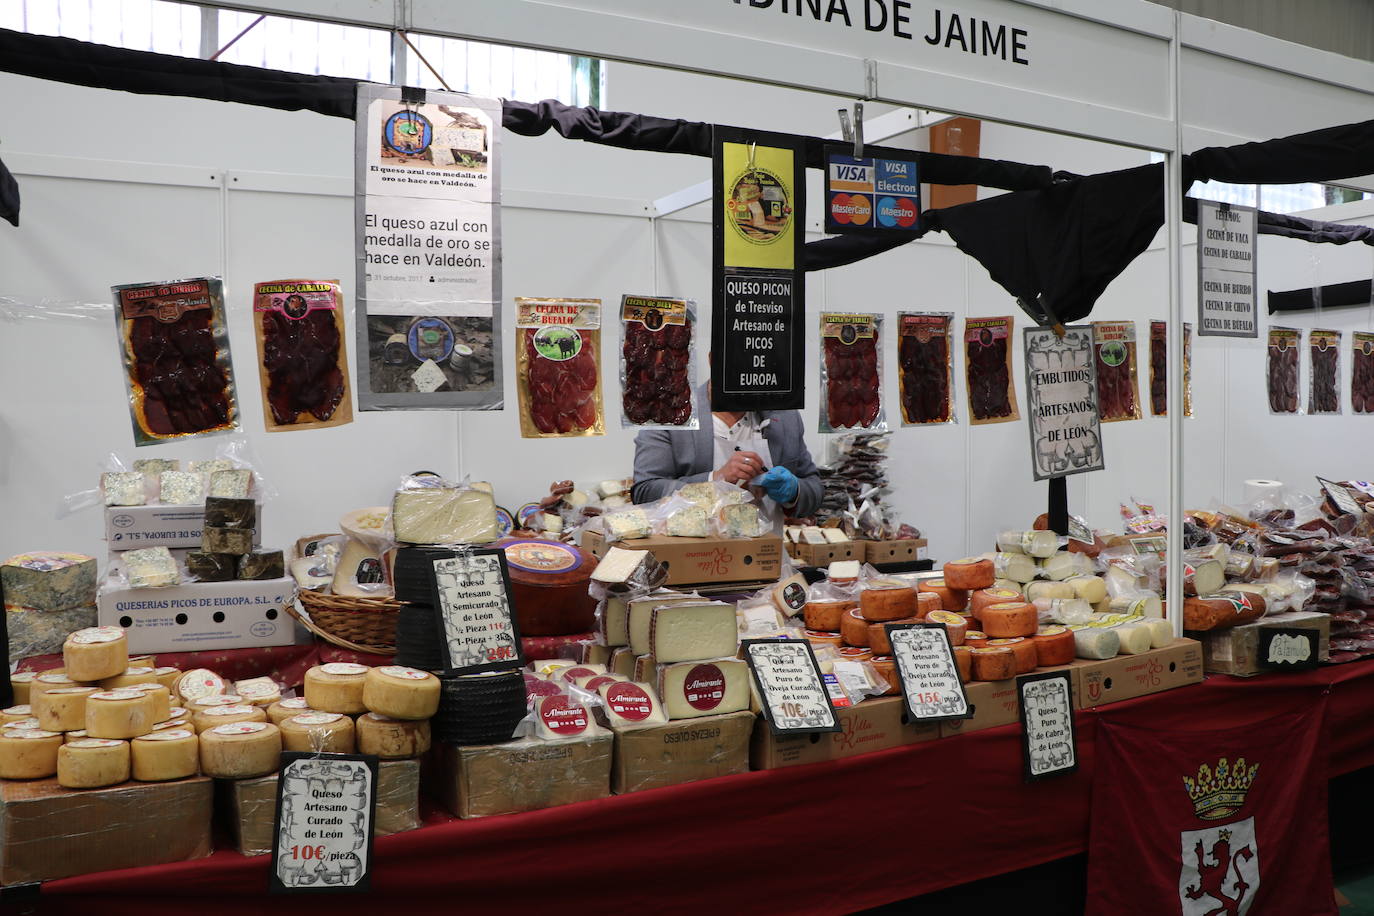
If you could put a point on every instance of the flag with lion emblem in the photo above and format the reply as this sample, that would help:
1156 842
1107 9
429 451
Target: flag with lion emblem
1211 823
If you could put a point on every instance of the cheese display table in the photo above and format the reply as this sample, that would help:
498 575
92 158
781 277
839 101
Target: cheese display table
739 838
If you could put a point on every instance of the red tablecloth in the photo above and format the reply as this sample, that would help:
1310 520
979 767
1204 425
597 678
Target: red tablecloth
826 838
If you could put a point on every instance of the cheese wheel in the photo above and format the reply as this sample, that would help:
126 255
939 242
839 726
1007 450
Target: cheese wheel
48 680
854 628
95 653
240 750
1092 589
172 753
119 714
970 573
970 623
963 657
985 596
855 653
73 736
62 709
826 613
1050 590
21 682
183 723
821 638
391 739
886 667
954 625
162 699
403 693
28 753
892 600
1022 648
877 635
950 598
1096 643
976 639
319 733
1013 567
285 709
30 722
1134 639
336 687
15 713
92 763
219 699
1054 645
167 677
1010 618
197 684
993 664
222 715
143 661
129 677
258 691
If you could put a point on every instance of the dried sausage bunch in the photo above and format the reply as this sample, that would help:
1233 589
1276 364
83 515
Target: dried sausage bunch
1325 349
1362 373
1283 369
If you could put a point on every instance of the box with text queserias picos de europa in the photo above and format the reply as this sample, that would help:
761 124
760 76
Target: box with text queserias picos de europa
173 527
195 616
873 725
698 561
653 756
524 775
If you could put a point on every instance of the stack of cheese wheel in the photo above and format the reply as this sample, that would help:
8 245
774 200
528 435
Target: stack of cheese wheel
882 603
969 575
95 653
950 599
1009 619
1022 649
318 733
824 615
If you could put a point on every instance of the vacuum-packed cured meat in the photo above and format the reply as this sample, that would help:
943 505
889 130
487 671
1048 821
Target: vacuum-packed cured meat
1324 394
987 366
925 367
558 368
657 376
1362 372
301 353
176 359
1159 369
851 370
1114 354
1283 369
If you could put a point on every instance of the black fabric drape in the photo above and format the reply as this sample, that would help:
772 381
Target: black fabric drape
1346 151
1333 295
9 196
609 128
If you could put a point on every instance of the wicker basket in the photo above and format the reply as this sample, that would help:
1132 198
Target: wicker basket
360 624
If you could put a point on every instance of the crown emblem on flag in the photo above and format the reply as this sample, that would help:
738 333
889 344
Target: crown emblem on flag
1221 793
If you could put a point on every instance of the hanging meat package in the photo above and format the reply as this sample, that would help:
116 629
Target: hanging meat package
302 358
1362 372
657 371
1114 354
1324 393
1159 369
175 350
851 372
987 368
925 366
558 368
1282 374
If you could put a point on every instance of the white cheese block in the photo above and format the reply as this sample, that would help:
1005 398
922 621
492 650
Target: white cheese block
631 705
1135 639
150 567
593 653
835 536
613 621
1032 543
1067 565
628 525
444 515
689 522
1096 643
310 573
92 763
561 717
641 615
619 566
360 572
1036 590
793 533
1092 589
234 483
688 632
1208 576
759 618
790 595
689 690
615 502
645 668
551 523
123 488
1018 567
813 535
844 569
703 493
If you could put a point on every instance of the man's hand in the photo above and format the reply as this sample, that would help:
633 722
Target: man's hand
781 484
740 469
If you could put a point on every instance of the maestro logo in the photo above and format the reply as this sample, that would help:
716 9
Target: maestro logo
897 213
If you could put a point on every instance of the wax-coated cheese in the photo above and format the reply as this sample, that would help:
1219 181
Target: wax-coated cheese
336 687
688 690
561 717
92 763
951 599
878 637
983 597
1096 643
963 659
1011 618
240 750
258 691
150 567
95 653
1022 648
993 663
954 625
62 709
119 714
1092 589
1134 639
222 715
886 667
790 595
827 613
641 617
689 632
285 709
198 683
819 638
401 692
318 732
172 753
444 515
887 599
128 678
22 683
28 753
970 573
629 705
391 739
1054 645
49 581
854 628
1011 567
855 654
976 639
1047 589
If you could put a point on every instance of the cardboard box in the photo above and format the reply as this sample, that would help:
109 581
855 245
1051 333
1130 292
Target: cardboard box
201 615
994 703
49 832
874 725
681 751
523 775
177 527
1128 676
903 551
249 806
1236 650
825 554
693 561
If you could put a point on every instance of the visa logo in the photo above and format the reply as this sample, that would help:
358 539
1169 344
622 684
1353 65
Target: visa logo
851 172
897 168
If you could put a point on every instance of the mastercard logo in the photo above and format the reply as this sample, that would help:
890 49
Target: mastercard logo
851 209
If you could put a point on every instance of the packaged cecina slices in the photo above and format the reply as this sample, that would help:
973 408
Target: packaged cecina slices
657 370
302 360
558 367
1114 355
987 365
1362 372
1282 369
851 372
1159 369
1324 385
175 349
925 367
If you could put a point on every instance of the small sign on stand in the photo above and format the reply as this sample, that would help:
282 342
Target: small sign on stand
1049 745
478 630
928 672
791 689
325 808
1288 648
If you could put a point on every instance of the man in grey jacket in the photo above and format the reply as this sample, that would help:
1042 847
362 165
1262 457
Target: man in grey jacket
736 448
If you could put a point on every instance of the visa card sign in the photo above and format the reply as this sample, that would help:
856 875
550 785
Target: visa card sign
879 194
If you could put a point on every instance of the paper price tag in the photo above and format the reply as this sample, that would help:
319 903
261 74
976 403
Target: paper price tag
325 808
791 689
928 673
478 630
1048 741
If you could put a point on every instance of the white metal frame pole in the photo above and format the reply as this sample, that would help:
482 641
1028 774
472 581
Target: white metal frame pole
1173 213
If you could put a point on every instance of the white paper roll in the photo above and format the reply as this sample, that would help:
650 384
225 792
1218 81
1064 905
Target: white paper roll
1255 489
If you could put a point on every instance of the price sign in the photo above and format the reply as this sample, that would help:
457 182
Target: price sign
1289 648
1048 742
325 809
1226 270
793 693
477 627
928 672
1061 391
1341 498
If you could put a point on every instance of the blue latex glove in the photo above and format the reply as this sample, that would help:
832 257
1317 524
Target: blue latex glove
780 484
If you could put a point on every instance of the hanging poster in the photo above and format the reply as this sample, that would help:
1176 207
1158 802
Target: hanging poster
1061 398
758 295
428 224
1226 270
877 195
